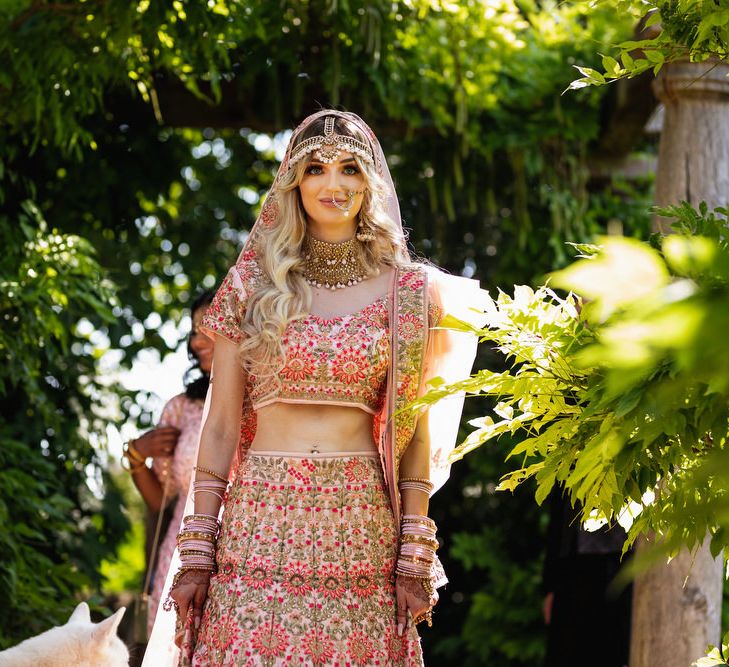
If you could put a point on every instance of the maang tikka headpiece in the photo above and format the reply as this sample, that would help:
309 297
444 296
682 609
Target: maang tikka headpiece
327 147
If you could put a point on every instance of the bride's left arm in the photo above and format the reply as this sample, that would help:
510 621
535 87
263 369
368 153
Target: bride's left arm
411 593
415 464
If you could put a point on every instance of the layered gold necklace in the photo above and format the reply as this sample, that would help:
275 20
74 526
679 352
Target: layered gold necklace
331 265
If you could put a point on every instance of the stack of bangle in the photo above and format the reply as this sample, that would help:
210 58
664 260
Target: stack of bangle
135 461
196 542
417 554
416 484
212 486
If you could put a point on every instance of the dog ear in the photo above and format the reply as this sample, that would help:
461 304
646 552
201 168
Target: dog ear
105 630
80 614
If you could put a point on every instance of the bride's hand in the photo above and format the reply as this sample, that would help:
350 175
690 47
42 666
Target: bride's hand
189 597
410 595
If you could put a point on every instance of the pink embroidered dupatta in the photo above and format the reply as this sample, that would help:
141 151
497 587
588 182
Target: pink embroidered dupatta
418 353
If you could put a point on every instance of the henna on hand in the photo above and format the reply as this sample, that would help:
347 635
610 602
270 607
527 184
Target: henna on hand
193 577
191 586
415 597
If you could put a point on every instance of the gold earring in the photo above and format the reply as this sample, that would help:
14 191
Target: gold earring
364 233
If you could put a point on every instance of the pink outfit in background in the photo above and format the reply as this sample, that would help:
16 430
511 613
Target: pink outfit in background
184 414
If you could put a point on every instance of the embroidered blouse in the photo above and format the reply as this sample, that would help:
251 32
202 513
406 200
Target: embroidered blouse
341 360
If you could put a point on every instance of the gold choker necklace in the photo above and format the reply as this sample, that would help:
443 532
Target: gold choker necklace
331 265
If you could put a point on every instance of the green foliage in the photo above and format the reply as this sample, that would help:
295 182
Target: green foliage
124 570
35 525
716 655
434 64
623 398
694 30
55 528
490 612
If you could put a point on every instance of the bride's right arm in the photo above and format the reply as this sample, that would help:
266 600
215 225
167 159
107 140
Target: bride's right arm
218 440
221 430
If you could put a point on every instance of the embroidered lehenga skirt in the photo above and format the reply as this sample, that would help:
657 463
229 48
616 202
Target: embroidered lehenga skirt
305 568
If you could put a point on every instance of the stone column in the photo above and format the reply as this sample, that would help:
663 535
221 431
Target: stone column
693 160
677 607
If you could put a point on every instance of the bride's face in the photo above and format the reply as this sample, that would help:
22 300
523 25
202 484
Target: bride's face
324 182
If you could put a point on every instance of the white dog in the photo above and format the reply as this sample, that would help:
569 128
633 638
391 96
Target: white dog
79 643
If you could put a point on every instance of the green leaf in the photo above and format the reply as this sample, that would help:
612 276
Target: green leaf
611 66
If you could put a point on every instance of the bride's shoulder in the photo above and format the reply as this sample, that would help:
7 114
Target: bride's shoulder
248 271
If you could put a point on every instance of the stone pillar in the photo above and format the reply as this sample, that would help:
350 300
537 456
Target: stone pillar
677 607
693 160
676 611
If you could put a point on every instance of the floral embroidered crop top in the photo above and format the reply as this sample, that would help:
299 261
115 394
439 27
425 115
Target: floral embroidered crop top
339 361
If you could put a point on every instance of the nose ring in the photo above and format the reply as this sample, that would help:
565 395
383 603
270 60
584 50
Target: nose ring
345 208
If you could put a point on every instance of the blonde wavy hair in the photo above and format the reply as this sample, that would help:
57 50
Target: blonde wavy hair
285 295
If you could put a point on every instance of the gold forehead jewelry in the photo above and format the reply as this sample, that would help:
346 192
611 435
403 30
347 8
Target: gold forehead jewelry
327 147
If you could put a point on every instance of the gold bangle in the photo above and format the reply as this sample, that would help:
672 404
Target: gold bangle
201 517
422 480
189 535
131 452
419 539
196 552
211 473
415 559
134 452
425 521
131 466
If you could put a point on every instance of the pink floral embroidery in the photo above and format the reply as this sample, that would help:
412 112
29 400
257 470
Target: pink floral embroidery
410 350
297 576
299 363
395 646
270 642
226 636
332 581
337 360
361 648
225 312
362 577
409 326
349 367
355 470
318 647
327 549
269 212
258 573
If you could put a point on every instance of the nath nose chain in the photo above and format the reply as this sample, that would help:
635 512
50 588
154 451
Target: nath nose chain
346 207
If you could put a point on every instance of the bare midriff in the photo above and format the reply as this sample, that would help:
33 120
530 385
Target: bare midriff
312 428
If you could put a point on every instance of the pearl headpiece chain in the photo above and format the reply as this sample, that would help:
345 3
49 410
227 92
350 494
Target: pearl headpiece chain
329 146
